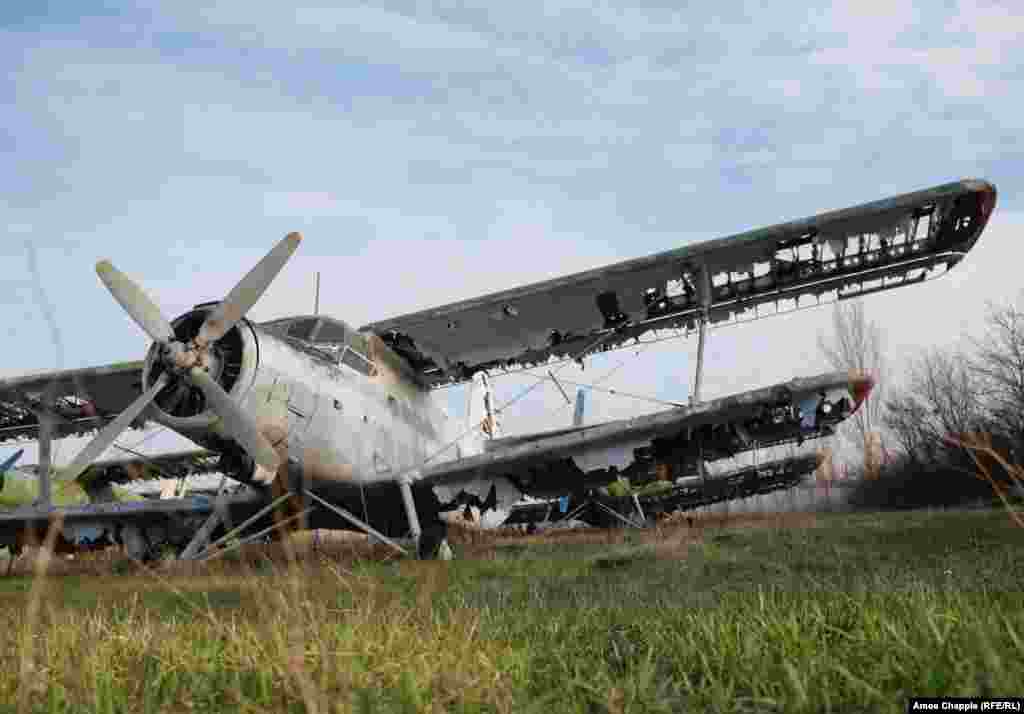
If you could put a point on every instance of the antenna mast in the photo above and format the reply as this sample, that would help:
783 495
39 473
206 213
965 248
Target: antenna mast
316 299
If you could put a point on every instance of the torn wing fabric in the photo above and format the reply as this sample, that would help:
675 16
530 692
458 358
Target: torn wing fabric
768 415
80 401
874 246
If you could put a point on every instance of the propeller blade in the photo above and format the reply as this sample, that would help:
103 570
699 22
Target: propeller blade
239 424
135 302
248 291
11 461
110 432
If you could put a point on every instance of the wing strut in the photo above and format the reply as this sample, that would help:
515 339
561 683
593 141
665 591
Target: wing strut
698 377
45 458
705 316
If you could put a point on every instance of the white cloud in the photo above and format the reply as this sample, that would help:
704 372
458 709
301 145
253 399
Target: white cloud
433 155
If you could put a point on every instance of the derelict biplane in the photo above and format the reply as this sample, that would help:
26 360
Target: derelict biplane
341 425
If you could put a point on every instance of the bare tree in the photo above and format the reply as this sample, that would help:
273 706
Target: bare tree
999 364
857 344
943 398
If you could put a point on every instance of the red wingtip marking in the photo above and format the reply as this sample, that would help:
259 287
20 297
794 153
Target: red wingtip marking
988 202
861 385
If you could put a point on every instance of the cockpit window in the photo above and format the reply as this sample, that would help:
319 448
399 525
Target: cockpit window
326 338
332 332
303 329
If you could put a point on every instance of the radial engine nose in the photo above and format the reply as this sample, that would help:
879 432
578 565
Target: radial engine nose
222 360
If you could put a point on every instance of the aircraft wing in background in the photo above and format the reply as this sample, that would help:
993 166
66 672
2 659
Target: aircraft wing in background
80 400
20 487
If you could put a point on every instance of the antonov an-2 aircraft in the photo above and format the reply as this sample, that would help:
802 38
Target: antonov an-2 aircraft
341 427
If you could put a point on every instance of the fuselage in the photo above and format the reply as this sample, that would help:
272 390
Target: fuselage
339 404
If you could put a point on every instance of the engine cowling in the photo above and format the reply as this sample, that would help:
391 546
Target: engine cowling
233 362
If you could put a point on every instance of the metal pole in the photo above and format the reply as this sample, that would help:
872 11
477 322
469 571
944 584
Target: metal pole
202 536
639 510
365 527
256 536
316 300
705 298
613 512
490 416
245 524
704 289
45 459
405 486
579 509
699 374
559 385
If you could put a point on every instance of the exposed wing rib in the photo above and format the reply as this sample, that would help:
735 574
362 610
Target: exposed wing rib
81 400
875 246
766 416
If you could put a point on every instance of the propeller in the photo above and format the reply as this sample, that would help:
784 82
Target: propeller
190 361
110 432
248 291
237 422
135 302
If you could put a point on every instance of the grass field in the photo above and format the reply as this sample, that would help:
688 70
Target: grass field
844 613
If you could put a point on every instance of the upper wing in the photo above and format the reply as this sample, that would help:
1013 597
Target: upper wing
875 246
560 461
81 400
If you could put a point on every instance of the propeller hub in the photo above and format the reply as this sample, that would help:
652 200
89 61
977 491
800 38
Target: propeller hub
197 353
180 357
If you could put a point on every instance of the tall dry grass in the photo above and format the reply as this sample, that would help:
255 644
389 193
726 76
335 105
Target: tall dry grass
986 457
307 624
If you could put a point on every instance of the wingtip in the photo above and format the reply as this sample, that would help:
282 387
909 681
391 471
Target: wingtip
104 266
861 384
980 184
294 237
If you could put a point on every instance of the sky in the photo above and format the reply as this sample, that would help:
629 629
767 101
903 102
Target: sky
431 153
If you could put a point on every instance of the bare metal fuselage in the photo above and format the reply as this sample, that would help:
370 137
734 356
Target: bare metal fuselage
337 424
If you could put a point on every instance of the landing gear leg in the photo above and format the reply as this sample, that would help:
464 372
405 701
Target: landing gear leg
405 486
431 542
